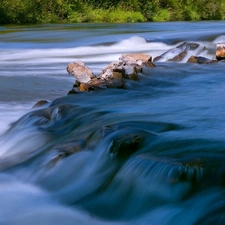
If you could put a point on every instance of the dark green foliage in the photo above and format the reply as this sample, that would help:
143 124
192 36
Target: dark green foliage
69 11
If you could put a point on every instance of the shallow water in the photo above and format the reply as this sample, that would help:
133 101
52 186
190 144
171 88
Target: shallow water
152 153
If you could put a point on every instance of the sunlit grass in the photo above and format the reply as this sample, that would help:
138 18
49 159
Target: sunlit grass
115 15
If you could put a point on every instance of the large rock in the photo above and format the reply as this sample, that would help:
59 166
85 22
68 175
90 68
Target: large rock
81 72
136 58
220 51
127 67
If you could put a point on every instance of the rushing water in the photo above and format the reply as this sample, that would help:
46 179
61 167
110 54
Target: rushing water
153 153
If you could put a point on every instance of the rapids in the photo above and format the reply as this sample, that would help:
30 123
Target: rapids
150 154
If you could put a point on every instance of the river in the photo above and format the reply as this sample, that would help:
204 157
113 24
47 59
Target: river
150 154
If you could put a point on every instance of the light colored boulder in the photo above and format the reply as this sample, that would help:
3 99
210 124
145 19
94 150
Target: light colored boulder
80 71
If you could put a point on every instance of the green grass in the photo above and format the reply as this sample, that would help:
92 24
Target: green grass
116 15
108 11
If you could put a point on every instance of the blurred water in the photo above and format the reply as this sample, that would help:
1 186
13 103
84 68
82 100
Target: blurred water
152 153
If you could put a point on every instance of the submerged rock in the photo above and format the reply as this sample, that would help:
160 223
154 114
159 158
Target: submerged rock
66 149
177 54
200 60
220 51
126 145
72 92
81 72
40 103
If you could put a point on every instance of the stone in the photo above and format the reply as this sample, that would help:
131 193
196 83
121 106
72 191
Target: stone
80 71
112 76
137 59
131 72
179 57
40 103
84 87
93 84
67 149
89 87
128 67
115 83
178 54
188 46
133 58
98 83
200 60
124 146
72 92
112 70
220 51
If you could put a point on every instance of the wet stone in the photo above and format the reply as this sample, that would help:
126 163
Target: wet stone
179 57
220 51
124 146
200 60
72 92
180 52
133 58
40 103
115 83
80 71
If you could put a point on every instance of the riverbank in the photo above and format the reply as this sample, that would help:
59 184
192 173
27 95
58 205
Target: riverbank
120 11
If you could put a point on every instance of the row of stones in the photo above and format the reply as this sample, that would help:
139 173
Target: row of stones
128 66
113 75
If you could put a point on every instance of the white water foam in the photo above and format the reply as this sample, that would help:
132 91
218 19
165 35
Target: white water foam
85 53
220 39
101 53
10 113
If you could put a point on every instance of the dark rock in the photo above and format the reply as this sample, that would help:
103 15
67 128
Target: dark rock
89 87
200 60
188 46
131 72
97 83
93 84
81 72
40 103
158 58
107 130
72 92
180 52
115 83
179 57
67 149
76 84
126 145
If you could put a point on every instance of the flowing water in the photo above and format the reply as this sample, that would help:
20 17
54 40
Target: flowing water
153 153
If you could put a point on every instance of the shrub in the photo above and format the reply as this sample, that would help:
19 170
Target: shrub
162 15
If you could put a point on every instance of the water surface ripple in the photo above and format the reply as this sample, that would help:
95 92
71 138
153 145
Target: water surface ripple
152 153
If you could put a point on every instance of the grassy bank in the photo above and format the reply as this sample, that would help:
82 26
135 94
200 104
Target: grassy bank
76 11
